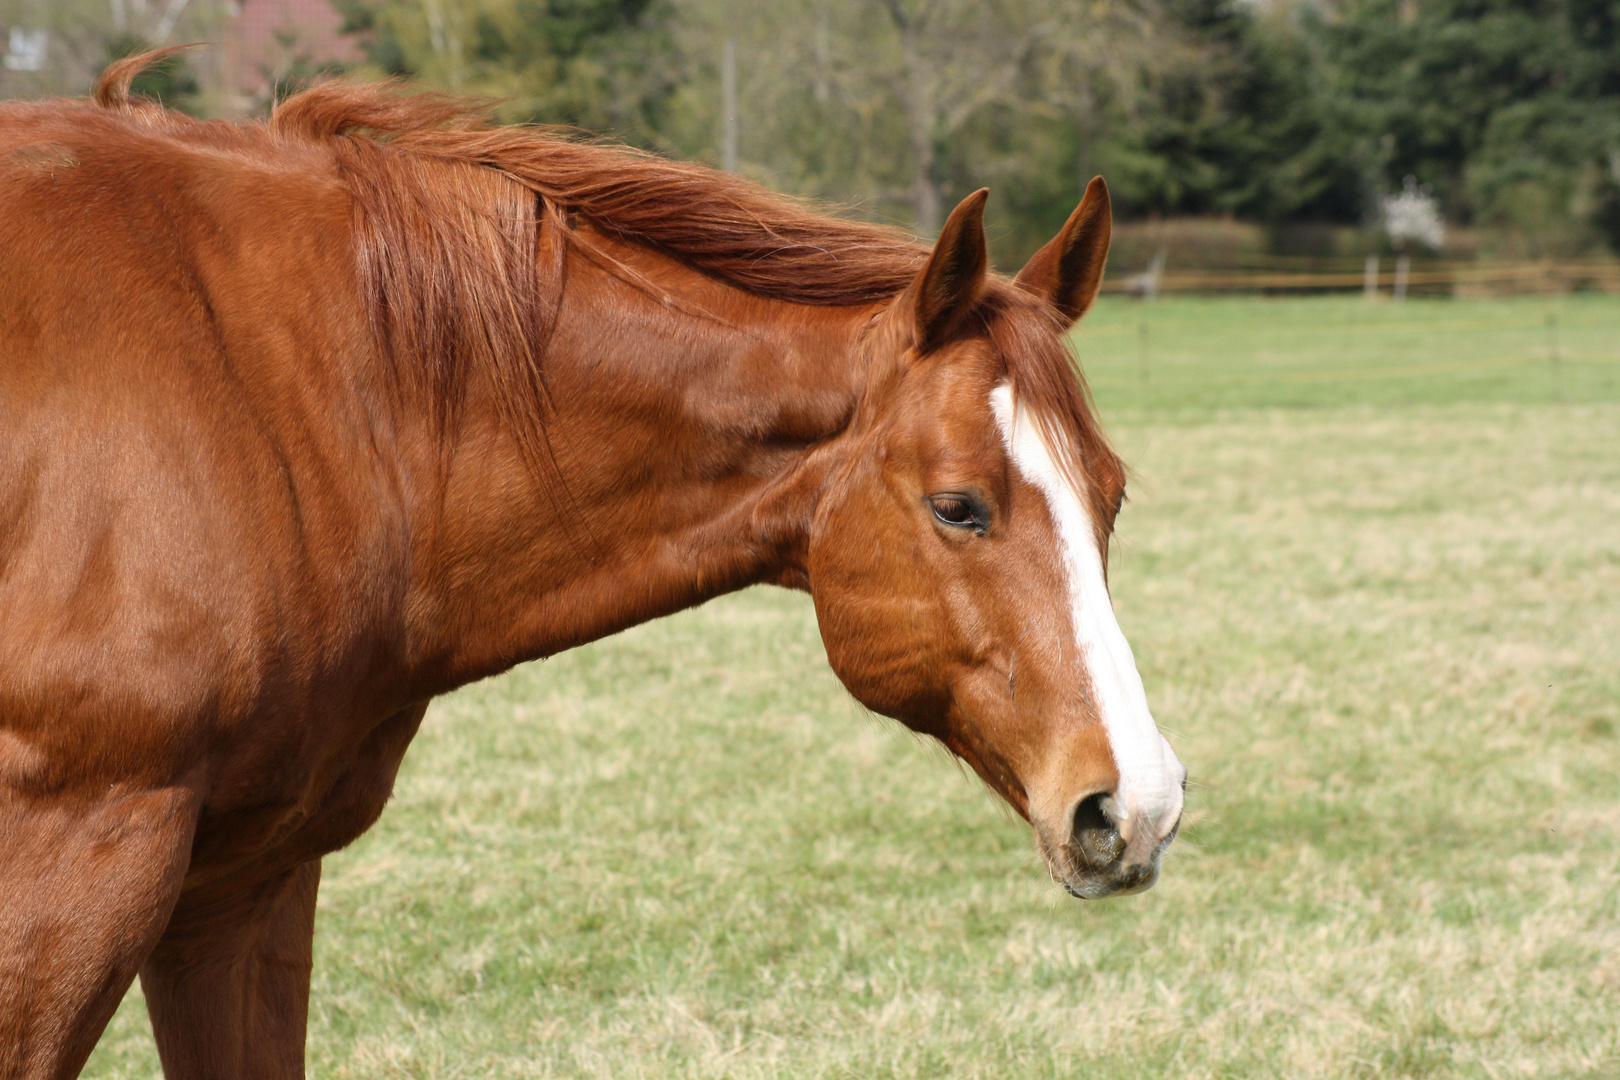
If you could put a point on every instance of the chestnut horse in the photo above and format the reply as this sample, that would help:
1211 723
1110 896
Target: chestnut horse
305 422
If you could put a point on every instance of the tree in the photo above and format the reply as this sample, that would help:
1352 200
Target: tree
1239 122
603 65
79 37
1509 109
904 106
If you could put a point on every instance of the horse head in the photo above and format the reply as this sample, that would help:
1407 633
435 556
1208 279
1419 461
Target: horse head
958 556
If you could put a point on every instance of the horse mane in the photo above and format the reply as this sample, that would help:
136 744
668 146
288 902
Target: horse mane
759 241
450 212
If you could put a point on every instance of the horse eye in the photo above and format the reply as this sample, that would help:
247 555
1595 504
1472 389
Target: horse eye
954 511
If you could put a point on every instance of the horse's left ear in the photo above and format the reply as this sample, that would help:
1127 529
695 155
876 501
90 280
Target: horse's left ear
1068 271
954 276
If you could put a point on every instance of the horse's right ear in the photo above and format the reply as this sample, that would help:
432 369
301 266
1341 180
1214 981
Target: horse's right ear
1068 271
954 276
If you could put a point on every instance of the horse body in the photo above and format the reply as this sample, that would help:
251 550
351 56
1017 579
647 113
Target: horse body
271 478
205 545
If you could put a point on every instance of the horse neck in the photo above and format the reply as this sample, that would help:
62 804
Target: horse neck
690 427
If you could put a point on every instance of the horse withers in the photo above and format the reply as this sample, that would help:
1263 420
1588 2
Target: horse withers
305 422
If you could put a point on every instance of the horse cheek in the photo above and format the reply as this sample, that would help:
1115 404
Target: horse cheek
875 611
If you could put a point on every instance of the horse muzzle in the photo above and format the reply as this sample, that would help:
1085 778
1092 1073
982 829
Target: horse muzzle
1101 859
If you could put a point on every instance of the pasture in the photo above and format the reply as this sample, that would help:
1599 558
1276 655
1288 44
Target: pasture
1370 568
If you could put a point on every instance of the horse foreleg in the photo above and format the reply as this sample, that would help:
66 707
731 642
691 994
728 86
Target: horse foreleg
228 986
86 887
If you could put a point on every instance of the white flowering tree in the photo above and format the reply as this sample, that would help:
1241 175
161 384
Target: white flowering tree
1413 216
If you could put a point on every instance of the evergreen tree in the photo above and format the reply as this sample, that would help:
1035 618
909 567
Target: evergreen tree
1266 110
606 66
1242 124
1508 109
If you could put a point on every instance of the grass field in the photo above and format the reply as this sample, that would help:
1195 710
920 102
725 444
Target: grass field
1371 569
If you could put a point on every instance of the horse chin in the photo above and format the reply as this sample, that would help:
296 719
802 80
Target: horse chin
1117 880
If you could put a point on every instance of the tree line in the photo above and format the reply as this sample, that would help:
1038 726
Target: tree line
1266 110
1273 111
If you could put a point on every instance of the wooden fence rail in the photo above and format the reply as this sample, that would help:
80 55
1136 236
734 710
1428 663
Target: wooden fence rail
1454 278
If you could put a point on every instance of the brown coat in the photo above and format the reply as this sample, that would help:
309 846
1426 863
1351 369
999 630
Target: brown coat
304 423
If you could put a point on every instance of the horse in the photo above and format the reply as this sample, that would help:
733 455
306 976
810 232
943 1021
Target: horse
308 420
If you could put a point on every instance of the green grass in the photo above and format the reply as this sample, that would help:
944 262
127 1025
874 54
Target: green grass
1185 357
1370 568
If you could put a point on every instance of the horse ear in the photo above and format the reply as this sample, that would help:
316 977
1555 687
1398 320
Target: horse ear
1068 271
954 276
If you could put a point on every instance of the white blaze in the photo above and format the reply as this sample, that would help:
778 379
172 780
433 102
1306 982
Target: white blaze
1150 776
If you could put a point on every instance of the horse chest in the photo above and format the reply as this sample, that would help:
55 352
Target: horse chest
321 812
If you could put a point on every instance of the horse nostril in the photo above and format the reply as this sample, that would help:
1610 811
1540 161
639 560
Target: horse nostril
1096 841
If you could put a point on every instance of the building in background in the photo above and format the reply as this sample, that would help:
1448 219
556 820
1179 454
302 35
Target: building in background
26 48
251 47
269 43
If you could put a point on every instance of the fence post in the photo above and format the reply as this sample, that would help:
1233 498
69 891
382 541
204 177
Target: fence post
728 106
1150 280
1403 267
1552 355
1369 278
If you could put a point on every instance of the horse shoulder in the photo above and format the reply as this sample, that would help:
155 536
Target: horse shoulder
186 484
